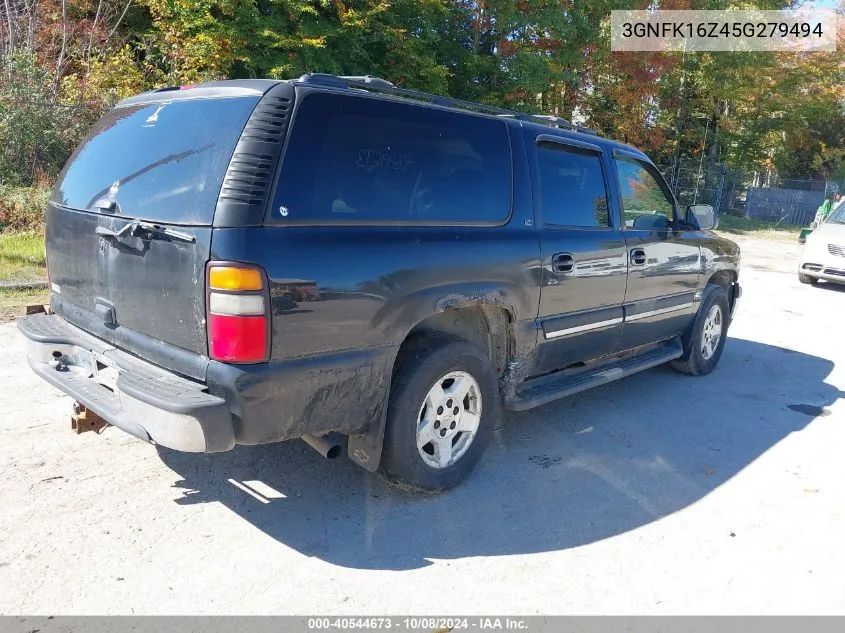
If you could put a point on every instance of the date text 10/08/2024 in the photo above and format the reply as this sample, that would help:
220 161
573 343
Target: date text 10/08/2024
423 623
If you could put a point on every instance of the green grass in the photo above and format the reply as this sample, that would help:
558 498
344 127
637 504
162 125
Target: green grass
21 258
732 225
21 261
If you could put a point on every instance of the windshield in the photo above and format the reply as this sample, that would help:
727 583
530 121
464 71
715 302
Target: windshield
163 162
837 215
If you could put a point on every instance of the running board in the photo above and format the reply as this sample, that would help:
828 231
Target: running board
536 392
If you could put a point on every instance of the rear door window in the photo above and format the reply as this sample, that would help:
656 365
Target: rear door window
159 161
354 159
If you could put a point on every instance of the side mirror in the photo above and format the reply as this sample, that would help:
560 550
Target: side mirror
703 215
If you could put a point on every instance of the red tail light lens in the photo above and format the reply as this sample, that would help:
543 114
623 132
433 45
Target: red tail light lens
237 339
238 314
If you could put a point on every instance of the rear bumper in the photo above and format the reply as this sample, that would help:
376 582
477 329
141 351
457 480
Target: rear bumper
136 396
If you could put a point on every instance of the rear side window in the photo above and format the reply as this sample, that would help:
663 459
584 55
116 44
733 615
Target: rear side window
353 159
160 161
571 187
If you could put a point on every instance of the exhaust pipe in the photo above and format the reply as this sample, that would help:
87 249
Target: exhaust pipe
328 446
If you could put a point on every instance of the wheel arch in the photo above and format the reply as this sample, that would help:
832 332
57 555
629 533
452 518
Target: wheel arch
487 323
726 278
488 326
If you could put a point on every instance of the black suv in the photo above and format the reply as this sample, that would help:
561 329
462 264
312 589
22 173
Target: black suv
337 259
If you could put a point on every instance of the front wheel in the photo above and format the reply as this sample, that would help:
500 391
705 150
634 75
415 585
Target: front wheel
443 407
704 342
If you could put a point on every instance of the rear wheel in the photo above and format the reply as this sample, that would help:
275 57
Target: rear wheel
443 406
807 279
704 342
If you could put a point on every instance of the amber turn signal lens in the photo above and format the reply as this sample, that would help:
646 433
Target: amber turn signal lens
234 278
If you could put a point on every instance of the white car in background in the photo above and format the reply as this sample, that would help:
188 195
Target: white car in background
824 250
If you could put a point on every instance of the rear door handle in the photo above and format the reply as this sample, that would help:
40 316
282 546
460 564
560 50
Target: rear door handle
637 256
562 263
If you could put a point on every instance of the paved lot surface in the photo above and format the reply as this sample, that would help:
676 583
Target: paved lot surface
658 494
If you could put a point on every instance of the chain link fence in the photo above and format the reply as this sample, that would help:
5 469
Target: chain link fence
757 195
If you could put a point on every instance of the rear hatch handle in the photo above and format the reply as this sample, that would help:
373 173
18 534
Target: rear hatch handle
139 228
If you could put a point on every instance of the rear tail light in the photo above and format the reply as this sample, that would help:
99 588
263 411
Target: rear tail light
236 305
238 314
236 339
235 278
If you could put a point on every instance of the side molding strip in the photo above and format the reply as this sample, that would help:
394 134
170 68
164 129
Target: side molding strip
651 313
583 328
602 324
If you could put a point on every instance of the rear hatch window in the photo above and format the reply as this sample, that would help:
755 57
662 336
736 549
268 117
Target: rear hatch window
163 162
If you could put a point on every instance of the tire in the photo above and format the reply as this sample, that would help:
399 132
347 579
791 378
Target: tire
807 279
417 411
699 357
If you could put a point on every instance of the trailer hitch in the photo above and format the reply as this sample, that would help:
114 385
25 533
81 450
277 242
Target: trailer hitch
83 420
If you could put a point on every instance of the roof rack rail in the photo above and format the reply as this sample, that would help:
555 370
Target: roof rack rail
342 81
377 84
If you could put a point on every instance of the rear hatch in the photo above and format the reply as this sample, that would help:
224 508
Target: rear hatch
129 222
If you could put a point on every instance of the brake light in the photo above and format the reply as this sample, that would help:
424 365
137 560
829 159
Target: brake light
237 339
238 321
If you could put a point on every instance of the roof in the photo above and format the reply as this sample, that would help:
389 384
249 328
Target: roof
377 85
208 90
382 86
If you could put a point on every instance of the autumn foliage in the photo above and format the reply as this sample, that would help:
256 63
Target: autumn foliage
65 61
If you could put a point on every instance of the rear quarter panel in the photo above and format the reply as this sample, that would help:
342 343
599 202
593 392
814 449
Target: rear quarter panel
343 300
345 297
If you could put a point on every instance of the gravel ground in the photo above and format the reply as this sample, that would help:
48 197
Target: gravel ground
658 494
